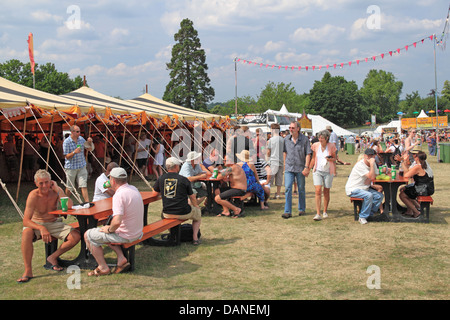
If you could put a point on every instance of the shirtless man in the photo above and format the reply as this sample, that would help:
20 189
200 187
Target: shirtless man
38 223
238 186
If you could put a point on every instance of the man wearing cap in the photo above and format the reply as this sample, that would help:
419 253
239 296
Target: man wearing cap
176 191
75 164
126 224
333 138
194 171
359 185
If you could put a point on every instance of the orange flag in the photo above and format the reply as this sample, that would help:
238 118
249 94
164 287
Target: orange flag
31 51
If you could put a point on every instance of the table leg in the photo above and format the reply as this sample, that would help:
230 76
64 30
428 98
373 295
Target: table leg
84 260
212 207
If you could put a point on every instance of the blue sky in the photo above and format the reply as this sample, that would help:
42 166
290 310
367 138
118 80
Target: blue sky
121 46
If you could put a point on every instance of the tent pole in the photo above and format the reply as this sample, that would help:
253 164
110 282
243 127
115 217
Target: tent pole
105 151
21 156
49 143
123 143
135 153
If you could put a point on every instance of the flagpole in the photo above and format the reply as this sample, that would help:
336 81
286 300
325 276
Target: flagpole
436 102
235 87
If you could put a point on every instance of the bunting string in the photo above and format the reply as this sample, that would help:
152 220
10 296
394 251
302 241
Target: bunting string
341 64
444 35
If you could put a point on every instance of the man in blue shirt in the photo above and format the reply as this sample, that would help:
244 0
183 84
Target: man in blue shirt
297 155
75 164
194 171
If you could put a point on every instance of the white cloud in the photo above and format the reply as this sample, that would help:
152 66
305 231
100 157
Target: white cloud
271 46
393 25
119 32
326 33
44 16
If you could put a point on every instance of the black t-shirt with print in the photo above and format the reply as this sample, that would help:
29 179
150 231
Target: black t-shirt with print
175 190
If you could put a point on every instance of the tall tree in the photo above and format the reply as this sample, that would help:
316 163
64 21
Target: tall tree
48 79
337 100
274 95
381 94
189 85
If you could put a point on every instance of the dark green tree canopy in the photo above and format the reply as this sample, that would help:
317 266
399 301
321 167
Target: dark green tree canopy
189 84
47 78
337 100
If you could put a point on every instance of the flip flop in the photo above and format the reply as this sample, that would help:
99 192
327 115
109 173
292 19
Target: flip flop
123 268
24 279
97 272
54 267
223 215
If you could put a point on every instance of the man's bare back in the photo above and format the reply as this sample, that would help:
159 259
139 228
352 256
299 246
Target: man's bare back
237 177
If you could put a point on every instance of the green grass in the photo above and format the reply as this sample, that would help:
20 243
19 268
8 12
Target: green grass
260 256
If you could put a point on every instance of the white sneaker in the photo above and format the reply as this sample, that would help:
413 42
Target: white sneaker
362 221
325 215
317 217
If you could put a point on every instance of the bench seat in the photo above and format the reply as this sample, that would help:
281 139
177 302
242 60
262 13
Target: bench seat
425 202
149 231
357 204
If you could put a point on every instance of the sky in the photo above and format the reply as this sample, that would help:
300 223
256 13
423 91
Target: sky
122 46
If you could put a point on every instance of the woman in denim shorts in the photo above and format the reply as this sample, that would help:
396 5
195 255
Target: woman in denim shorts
323 163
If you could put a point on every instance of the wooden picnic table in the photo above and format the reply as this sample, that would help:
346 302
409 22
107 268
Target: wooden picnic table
212 207
390 190
88 218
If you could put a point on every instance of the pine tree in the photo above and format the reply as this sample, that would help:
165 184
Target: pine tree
189 85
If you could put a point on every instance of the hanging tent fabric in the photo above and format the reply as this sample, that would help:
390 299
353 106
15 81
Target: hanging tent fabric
167 108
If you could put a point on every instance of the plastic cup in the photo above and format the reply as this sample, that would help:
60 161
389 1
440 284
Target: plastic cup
107 184
64 204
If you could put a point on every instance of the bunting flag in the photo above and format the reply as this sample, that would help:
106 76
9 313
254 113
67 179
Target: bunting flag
444 35
341 64
31 51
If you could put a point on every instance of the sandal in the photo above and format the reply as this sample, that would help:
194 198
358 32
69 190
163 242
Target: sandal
97 272
123 268
24 279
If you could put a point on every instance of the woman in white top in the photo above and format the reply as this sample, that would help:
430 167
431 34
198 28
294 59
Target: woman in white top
323 163
159 158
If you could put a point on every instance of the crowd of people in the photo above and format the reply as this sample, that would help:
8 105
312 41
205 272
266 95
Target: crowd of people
251 163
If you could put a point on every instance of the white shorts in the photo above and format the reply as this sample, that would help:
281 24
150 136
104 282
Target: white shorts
321 178
98 238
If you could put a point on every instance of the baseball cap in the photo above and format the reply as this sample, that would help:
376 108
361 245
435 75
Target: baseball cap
118 173
370 152
172 161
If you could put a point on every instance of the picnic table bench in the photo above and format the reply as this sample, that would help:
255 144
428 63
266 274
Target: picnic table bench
425 202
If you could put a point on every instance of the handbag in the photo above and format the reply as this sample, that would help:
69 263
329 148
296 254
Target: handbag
421 189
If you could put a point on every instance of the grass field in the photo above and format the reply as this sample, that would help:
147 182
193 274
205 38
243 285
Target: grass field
260 256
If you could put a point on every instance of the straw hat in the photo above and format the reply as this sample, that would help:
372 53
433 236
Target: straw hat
244 156
193 155
416 149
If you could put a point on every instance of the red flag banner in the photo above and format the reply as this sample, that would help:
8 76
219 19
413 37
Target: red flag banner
31 51
342 64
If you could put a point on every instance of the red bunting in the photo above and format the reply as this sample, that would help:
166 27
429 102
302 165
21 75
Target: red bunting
398 50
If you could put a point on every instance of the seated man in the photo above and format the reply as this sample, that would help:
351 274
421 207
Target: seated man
193 171
212 161
235 175
38 223
359 185
100 192
126 224
175 191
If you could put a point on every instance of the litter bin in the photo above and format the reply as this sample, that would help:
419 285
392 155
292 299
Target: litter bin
351 148
445 152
